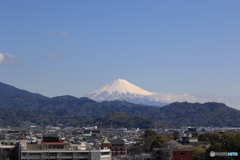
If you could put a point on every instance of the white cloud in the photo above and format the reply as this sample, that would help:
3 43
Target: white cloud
62 34
231 101
170 97
1 58
56 56
10 55
6 58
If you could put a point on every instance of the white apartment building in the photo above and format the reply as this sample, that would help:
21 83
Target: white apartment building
61 151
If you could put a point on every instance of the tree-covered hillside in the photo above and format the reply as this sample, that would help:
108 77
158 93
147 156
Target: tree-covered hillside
72 109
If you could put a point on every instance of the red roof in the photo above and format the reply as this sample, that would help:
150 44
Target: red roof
53 143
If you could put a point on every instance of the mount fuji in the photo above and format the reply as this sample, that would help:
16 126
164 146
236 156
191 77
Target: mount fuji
121 89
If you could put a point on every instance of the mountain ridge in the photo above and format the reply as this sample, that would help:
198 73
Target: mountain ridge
9 91
43 110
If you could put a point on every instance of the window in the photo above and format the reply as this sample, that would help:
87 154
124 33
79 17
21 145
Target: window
34 154
51 154
82 153
105 153
67 154
182 153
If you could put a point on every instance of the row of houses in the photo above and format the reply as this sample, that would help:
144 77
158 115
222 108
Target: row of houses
91 143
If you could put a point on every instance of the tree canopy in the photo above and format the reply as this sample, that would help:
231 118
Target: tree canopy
149 132
222 142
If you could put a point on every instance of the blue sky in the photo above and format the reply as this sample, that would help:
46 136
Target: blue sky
74 47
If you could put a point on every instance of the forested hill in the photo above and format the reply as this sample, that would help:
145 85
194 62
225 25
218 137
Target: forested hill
7 91
178 114
207 114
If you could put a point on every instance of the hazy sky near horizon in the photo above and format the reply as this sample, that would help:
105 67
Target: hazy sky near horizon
75 47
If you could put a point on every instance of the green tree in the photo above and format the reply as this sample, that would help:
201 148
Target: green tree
230 142
175 135
148 137
222 142
211 137
149 133
157 142
198 153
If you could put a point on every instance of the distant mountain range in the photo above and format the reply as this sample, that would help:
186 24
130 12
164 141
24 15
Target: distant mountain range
19 107
7 91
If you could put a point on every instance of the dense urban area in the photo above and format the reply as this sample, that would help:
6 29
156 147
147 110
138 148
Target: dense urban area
94 143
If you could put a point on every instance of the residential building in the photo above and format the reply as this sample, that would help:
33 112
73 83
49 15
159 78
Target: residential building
52 148
118 147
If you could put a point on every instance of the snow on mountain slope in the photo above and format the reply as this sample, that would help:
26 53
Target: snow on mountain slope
123 90
121 87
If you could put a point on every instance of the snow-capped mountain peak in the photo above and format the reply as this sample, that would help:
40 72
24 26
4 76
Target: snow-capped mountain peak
120 87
